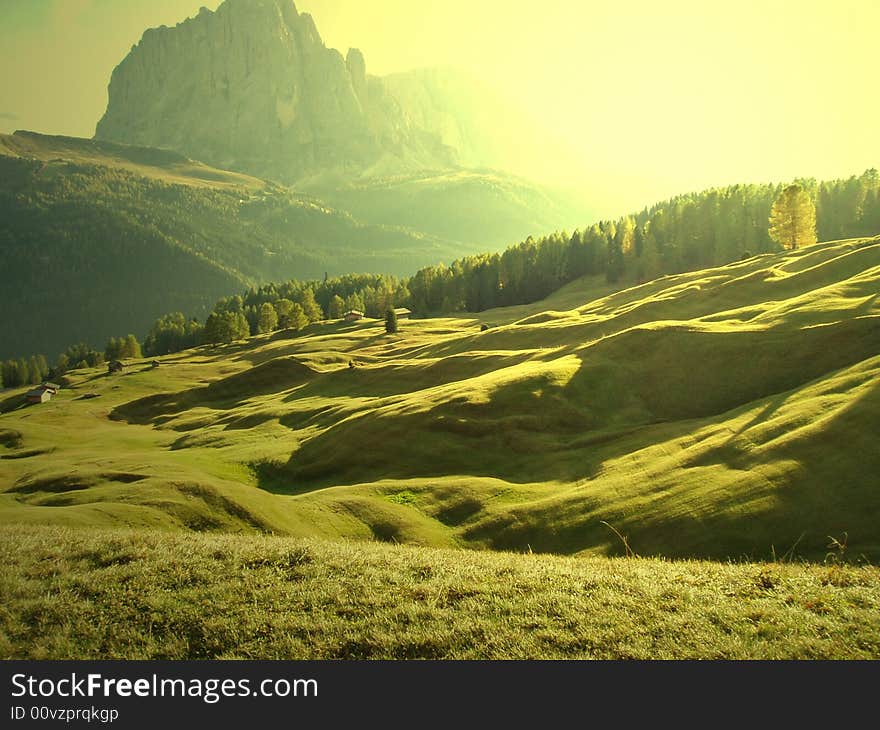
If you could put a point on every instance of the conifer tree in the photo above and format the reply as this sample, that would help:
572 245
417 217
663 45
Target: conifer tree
131 348
284 310
298 319
43 366
354 302
241 330
391 322
34 375
10 374
268 319
62 365
113 351
252 315
337 307
793 218
310 305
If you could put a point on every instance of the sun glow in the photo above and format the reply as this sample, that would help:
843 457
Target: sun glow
629 101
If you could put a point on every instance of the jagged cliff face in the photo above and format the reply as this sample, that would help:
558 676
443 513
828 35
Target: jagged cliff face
253 87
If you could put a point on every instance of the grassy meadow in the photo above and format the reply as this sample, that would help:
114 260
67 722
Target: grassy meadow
110 594
153 164
724 415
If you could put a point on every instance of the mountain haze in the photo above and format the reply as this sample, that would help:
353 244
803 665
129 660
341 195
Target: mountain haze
253 87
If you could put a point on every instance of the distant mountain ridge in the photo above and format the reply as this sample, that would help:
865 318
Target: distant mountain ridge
374 176
251 87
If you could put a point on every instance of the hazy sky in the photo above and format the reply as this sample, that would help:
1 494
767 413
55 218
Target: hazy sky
653 98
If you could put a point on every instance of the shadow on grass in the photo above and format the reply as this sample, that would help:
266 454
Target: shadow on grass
818 494
226 394
528 431
819 485
13 403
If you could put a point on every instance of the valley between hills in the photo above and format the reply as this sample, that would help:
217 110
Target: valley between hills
702 415
721 415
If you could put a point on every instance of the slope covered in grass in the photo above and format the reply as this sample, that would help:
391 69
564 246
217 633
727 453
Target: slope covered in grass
149 162
75 594
729 412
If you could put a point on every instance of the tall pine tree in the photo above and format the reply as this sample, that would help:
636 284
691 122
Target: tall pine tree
793 218
391 322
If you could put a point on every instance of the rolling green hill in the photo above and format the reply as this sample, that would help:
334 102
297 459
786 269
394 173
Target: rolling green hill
98 239
723 413
121 594
149 162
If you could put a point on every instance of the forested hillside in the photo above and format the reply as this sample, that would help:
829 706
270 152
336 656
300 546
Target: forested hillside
104 239
686 233
98 240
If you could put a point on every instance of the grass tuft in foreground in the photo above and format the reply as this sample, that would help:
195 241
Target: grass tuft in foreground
95 594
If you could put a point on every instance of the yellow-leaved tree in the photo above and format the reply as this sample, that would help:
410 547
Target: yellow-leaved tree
793 218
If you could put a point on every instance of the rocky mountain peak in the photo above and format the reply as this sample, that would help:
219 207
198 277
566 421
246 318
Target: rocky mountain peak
251 86
357 69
